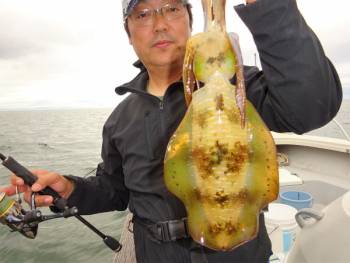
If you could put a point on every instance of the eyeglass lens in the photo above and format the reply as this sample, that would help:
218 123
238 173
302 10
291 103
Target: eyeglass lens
170 11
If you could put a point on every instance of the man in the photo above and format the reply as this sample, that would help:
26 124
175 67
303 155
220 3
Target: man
298 90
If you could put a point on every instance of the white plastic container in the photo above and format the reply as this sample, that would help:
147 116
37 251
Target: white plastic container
324 236
281 227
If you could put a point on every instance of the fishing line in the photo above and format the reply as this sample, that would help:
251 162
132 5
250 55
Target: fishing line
90 172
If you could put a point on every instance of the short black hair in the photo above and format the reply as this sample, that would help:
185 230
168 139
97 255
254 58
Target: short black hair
189 10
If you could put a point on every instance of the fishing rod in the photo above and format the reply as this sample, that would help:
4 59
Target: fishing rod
26 222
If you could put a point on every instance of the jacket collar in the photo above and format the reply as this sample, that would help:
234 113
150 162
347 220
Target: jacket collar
138 84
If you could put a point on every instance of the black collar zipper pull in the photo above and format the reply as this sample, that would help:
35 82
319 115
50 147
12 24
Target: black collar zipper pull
161 105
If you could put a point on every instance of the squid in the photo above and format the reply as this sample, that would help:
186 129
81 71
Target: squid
221 161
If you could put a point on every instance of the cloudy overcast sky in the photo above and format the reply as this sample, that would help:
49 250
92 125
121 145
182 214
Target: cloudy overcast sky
73 53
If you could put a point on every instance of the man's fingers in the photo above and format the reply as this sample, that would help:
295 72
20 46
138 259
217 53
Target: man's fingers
15 180
11 190
40 200
37 186
54 180
44 179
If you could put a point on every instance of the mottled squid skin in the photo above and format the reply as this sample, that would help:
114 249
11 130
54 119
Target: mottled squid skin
221 161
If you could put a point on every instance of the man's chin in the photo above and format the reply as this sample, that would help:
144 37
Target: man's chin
169 63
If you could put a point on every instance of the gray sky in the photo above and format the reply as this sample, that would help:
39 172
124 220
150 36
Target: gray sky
64 53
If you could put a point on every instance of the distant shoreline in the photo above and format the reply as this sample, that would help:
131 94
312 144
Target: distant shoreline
58 108
345 99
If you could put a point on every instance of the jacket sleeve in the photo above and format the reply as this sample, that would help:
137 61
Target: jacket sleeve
298 89
106 191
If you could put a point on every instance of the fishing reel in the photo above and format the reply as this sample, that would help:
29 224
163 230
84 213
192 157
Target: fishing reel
26 222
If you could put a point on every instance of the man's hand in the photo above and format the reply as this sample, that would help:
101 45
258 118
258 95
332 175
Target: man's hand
250 1
60 184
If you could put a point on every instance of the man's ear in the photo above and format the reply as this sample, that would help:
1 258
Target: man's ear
127 32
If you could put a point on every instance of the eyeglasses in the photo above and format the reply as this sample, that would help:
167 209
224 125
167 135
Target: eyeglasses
170 11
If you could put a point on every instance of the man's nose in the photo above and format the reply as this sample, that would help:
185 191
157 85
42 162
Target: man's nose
159 22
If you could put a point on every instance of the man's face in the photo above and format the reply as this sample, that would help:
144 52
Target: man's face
159 39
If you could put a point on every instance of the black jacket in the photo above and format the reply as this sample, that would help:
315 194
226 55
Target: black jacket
298 90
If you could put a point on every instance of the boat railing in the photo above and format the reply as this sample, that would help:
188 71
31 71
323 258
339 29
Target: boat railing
344 132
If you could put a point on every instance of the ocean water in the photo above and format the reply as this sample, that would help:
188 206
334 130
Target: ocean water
68 141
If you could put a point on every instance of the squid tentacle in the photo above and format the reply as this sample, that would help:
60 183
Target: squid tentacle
240 90
189 78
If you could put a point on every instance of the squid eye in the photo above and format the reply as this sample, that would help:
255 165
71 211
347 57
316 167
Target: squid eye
201 84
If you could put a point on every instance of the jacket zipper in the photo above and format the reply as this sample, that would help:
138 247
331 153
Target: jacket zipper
162 127
148 136
162 121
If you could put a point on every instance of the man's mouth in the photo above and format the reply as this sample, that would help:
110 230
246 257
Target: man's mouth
162 43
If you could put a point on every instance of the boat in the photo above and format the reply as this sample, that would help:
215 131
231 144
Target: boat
319 166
